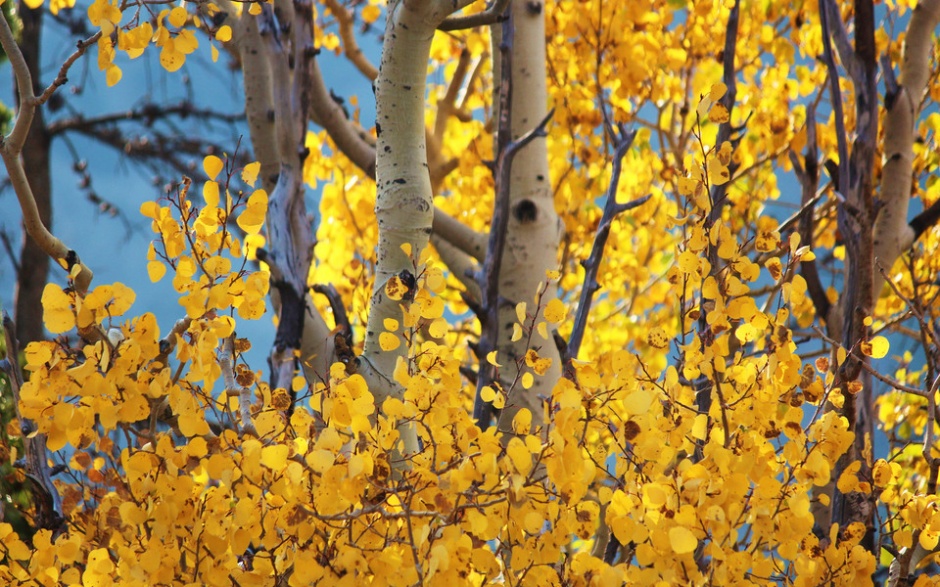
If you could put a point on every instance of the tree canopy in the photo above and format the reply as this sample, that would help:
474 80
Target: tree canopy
608 292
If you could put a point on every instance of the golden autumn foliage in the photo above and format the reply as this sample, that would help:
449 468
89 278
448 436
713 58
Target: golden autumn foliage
694 439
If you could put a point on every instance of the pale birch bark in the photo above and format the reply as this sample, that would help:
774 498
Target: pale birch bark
534 230
892 233
404 209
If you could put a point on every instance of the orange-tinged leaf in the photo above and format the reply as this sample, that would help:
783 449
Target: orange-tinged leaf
371 13
876 348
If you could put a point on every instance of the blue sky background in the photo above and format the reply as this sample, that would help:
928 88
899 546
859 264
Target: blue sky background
115 247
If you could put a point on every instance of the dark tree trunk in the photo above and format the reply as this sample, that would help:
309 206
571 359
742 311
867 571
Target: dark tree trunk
33 262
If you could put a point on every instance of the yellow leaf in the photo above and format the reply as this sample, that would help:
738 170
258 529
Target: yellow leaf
438 328
250 173
876 348
212 165
527 380
389 341
519 455
688 262
178 16
274 457
657 338
520 312
881 473
371 13
390 324
491 359
33 4
210 190
58 315
395 288
638 402
113 75
214 53
555 311
522 421
150 210
682 540
224 34
718 114
37 353
320 460
254 9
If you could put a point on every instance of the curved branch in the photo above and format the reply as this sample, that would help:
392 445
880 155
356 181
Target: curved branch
350 46
12 145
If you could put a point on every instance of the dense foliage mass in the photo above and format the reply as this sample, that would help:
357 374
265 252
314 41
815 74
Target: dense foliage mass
731 381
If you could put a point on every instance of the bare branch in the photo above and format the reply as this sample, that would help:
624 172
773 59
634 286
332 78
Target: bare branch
493 14
10 148
622 144
350 45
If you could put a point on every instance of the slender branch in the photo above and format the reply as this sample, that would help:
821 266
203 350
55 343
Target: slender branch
232 388
62 77
841 37
148 113
622 144
46 497
925 220
350 45
493 14
835 95
809 181
459 234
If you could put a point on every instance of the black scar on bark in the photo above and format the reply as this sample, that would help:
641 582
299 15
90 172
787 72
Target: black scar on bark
525 211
